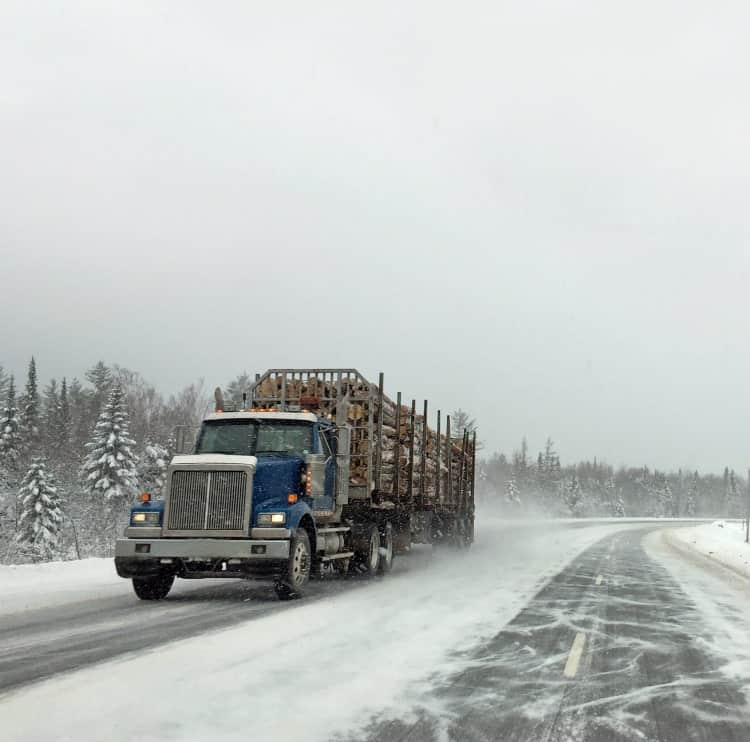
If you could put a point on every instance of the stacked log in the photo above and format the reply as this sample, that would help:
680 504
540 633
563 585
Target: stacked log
320 392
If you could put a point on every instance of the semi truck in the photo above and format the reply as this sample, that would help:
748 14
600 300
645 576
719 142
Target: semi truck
316 471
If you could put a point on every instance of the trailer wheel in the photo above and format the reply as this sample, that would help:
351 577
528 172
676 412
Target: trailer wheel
298 567
153 588
367 556
386 549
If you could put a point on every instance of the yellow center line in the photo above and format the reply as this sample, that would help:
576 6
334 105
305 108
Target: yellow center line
574 658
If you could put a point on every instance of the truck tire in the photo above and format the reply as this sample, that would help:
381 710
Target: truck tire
386 550
298 567
367 556
153 588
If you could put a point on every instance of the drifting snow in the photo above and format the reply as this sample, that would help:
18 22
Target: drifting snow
317 667
721 541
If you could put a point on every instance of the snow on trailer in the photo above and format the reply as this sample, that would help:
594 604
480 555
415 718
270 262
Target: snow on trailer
321 472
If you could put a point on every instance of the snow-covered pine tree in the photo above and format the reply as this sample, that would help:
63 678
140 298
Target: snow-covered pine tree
613 497
152 468
237 386
30 413
51 412
41 517
691 502
733 498
4 379
573 496
511 493
664 496
109 469
11 439
57 422
100 378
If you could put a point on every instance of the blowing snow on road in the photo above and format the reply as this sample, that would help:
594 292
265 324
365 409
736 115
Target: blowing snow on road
542 631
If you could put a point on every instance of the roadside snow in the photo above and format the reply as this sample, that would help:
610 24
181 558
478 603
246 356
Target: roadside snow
27 587
316 668
721 541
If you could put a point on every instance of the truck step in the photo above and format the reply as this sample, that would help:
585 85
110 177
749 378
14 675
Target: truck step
340 555
335 529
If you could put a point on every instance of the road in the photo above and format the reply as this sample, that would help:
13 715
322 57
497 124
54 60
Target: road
611 649
615 646
43 643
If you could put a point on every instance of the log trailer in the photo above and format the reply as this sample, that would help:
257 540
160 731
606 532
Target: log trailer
319 472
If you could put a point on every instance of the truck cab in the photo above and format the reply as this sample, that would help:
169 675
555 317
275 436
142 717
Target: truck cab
247 502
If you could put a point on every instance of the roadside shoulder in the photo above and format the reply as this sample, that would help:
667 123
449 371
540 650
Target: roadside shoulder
712 545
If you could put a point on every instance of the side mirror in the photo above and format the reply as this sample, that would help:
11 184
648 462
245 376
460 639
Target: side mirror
316 474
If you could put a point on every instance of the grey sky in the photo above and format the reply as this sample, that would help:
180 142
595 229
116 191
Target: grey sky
534 210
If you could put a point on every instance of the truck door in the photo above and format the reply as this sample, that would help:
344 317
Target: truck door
326 503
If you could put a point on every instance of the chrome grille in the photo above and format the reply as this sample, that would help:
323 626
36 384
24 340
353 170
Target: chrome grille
207 501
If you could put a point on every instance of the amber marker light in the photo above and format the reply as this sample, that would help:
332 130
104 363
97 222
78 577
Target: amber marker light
292 497
145 497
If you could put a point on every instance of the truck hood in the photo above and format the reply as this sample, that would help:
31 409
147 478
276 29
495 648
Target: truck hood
215 458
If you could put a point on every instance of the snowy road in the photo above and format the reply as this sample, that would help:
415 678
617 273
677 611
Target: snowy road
611 649
567 632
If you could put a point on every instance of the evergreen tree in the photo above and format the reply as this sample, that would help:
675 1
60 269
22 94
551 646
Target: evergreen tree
100 378
573 496
460 421
521 463
731 496
81 423
29 404
237 387
109 469
664 498
613 498
11 441
4 379
152 468
51 412
691 502
41 517
64 421
511 493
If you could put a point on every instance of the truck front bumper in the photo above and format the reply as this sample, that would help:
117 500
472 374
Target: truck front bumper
200 557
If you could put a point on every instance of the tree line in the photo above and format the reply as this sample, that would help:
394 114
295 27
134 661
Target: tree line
521 484
75 454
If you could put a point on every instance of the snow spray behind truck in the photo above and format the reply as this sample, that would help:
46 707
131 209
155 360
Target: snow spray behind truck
320 471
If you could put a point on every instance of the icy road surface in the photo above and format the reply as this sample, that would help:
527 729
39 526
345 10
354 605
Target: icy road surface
551 632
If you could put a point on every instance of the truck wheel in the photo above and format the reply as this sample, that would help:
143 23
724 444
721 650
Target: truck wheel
367 557
386 550
298 568
153 588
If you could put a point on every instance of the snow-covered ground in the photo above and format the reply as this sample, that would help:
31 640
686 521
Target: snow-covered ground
317 667
721 541
27 587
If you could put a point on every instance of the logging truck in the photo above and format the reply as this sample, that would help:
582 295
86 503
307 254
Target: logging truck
317 471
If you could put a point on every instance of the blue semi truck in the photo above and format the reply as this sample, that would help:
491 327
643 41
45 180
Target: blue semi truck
316 471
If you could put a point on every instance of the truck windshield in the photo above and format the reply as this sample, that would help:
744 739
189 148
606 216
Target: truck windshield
255 437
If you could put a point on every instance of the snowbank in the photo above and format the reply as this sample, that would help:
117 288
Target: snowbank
316 667
721 541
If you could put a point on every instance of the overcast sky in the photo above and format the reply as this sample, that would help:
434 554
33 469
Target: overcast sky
537 211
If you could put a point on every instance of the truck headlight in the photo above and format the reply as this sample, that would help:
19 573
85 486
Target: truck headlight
145 519
271 519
